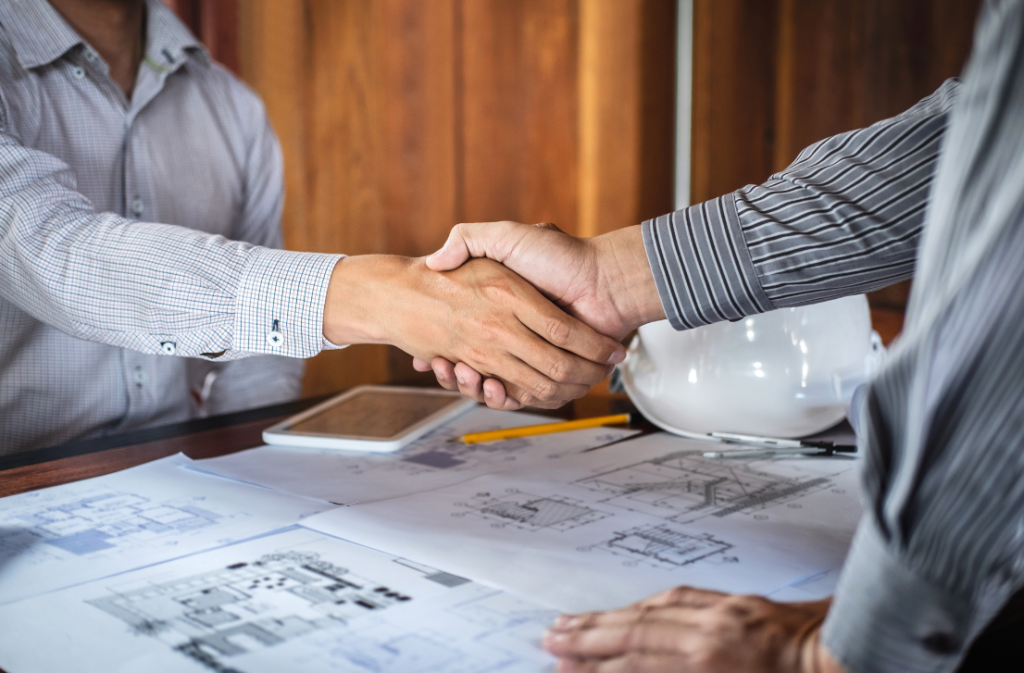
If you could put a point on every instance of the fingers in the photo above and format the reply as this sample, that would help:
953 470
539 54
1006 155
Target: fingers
470 382
683 596
527 373
569 334
647 631
634 663
476 239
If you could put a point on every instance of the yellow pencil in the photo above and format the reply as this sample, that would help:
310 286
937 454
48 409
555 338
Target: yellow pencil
545 429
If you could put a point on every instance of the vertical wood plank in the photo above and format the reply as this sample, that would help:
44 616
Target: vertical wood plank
659 23
492 109
218 29
275 60
609 118
419 123
733 95
550 157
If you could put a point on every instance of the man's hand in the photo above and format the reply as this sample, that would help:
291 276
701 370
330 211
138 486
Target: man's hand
605 281
696 631
481 314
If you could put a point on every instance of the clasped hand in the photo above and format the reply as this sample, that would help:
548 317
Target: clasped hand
482 315
604 281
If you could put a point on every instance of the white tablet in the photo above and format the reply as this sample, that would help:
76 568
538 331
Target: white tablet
370 418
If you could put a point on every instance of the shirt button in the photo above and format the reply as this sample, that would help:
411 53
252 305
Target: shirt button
168 347
138 376
275 338
90 55
137 206
77 72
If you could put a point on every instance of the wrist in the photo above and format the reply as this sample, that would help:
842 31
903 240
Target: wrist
625 279
814 658
356 303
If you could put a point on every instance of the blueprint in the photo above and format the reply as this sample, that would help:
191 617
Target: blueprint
471 629
608 527
60 536
348 478
291 600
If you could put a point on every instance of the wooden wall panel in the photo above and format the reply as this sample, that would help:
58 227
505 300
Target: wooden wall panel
549 161
774 76
400 118
610 39
627 112
733 95
421 185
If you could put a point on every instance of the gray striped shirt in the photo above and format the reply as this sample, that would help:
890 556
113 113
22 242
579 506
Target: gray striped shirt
937 193
93 296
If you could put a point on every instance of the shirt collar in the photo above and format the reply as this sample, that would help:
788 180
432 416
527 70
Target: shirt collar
40 35
168 42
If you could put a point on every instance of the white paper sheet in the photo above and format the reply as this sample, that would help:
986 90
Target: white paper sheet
348 478
293 600
61 536
608 527
471 629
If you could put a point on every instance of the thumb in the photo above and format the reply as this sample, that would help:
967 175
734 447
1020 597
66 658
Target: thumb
477 239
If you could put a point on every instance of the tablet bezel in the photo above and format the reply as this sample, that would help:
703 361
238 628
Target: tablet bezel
280 434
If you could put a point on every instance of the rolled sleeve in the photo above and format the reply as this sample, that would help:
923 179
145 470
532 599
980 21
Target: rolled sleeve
283 292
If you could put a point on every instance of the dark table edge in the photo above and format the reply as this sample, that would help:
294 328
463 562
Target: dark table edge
84 447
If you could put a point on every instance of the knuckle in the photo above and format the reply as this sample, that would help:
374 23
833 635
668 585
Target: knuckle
558 332
545 391
560 369
633 662
679 594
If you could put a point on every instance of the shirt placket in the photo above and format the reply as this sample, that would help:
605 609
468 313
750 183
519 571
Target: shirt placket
142 372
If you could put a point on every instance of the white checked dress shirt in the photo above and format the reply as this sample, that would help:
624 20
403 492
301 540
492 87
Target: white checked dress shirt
103 313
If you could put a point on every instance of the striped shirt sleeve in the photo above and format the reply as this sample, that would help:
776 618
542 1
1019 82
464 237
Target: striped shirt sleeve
844 218
940 550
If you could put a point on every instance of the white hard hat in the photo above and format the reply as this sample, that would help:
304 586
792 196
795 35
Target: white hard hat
786 373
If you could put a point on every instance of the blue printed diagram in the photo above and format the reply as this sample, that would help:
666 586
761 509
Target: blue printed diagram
684 486
664 545
252 605
530 512
486 630
102 520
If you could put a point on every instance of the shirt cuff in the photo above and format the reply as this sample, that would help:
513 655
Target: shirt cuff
701 265
280 303
886 618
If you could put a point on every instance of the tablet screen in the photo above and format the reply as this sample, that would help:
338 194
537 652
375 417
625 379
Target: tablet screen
373 413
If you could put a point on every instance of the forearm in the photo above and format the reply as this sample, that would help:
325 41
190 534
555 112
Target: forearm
100 277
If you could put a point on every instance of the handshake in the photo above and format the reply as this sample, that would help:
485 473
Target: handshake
509 314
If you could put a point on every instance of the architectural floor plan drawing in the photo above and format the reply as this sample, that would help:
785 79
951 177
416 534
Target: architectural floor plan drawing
530 512
205 612
667 546
472 629
685 486
651 513
349 478
85 530
251 605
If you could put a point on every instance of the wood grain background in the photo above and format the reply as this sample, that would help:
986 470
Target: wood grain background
400 118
